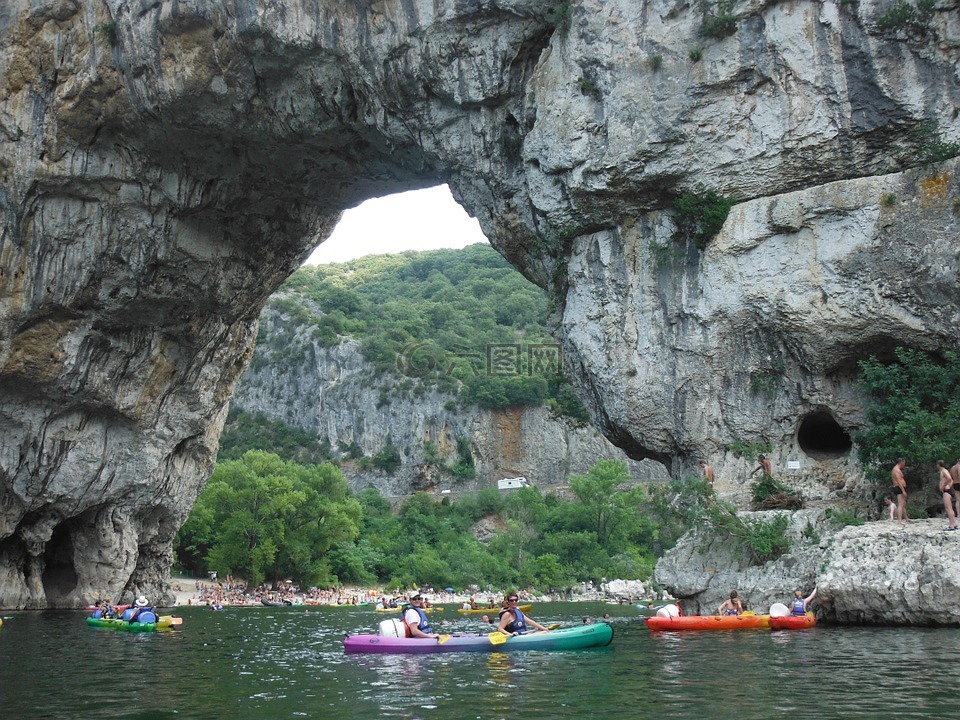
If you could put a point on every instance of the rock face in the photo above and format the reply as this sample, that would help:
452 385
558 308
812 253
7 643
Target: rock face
331 393
163 166
878 573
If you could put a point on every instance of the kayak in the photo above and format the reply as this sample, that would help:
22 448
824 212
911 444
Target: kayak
490 611
572 638
793 622
166 622
709 622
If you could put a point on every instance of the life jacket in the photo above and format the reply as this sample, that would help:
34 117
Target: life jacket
797 607
147 615
97 614
424 624
519 625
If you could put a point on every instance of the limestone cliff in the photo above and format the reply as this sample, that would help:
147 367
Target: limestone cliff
164 165
335 394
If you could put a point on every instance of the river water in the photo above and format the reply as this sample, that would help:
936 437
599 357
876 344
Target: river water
273 663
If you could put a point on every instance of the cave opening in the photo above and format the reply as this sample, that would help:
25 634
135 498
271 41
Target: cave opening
821 437
59 575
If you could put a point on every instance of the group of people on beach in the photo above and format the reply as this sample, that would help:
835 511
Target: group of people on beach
948 484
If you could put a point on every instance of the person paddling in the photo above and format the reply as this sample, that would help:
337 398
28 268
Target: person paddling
416 619
512 619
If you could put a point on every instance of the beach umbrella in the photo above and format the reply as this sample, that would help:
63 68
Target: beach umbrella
448 589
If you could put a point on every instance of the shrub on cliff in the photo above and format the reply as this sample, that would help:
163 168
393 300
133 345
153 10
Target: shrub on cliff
913 411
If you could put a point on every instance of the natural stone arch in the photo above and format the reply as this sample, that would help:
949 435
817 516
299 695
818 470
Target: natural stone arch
164 166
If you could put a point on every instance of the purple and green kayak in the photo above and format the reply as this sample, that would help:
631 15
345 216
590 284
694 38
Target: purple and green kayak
572 638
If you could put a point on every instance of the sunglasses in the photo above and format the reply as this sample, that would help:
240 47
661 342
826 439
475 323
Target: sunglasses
513 599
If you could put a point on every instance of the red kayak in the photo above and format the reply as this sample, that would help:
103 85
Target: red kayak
793 622
710 622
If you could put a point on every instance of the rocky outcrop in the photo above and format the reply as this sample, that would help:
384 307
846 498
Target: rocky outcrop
335 394
163 166
879 573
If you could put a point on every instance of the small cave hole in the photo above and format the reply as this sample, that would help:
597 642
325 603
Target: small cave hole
821 437
59 576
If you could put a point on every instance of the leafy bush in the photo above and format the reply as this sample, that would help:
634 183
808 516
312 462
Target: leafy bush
721 22
842 517
912 411
749 450
768 493
765 539
699 216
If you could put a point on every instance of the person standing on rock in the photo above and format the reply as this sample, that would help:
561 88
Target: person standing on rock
900 490
765 467
708 472
948 494
955 474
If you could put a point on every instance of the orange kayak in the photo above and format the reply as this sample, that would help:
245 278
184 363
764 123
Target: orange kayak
709 622
793 622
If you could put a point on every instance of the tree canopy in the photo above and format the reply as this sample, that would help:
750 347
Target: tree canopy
913 412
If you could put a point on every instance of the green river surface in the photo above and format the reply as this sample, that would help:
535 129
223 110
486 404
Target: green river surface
261 663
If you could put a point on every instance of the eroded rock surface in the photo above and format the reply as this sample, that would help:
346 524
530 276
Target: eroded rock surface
878 573
163 166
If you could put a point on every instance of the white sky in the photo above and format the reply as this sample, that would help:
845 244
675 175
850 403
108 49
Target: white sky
417 220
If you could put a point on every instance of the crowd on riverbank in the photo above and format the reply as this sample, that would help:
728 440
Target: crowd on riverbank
233 592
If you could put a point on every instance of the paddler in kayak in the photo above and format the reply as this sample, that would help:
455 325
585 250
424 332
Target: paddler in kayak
512 619
733 606
798 606
418 626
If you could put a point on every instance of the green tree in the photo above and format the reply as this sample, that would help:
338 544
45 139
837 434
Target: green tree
597 491
913 411
271 519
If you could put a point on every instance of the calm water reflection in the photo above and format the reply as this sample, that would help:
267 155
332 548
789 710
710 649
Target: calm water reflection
272 663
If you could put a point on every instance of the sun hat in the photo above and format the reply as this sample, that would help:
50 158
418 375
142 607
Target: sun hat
142 601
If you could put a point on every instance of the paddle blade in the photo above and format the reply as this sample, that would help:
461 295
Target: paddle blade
168 620
497 638
553 627
442 639
779 610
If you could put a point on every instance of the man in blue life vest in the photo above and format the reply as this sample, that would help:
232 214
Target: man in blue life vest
143 612
416 619
798 606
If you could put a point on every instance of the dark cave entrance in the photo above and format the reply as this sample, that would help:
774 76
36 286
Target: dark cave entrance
59 575
821 437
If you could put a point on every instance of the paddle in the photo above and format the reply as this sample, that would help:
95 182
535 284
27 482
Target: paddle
553 627
166 620
443 638
497 638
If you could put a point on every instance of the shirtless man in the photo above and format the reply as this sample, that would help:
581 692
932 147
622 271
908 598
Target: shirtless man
900 490
947 492
765 467
955 474
708 472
